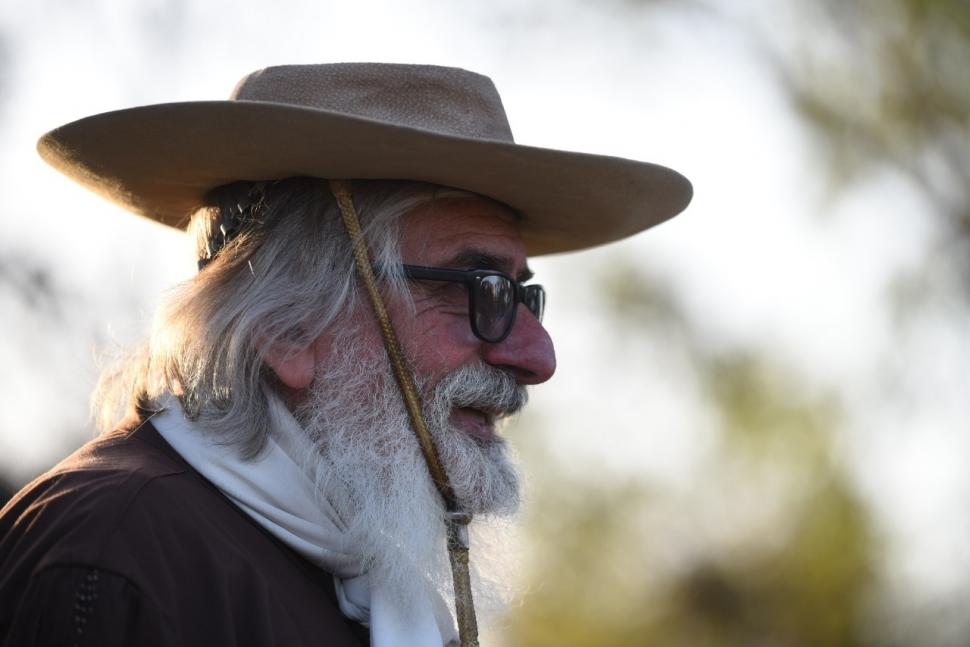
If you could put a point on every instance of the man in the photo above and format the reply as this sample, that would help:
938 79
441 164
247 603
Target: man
314 414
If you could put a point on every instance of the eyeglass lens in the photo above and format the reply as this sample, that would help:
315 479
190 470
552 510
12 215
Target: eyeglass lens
495 306
535 300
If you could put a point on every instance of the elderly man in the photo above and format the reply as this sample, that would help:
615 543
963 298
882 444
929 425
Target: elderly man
313 417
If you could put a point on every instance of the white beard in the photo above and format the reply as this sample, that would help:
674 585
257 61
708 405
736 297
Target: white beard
369 465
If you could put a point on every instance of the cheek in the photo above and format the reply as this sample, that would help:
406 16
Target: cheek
436 323
437 342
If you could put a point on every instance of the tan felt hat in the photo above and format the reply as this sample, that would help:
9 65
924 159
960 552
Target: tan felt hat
361 120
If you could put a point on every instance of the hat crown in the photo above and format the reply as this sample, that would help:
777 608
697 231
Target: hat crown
443 100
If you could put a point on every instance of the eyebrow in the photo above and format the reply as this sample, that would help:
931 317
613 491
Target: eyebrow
481 260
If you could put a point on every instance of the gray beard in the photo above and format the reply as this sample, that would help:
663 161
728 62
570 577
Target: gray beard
368 464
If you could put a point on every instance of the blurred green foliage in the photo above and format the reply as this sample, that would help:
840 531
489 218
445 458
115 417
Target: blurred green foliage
888 83
884 85
770 544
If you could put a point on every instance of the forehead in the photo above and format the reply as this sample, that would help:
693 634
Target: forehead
450 227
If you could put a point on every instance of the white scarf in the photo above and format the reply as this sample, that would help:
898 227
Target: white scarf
277 494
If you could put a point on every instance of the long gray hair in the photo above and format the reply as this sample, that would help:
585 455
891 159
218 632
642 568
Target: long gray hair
278 270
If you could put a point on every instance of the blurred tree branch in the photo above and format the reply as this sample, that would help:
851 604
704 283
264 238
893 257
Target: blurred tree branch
884 83
32 283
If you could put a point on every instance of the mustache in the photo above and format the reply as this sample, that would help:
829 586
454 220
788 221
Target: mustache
482 387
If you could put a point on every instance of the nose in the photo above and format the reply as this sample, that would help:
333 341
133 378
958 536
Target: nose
527 353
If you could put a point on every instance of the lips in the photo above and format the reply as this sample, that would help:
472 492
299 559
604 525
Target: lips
474 398
477 423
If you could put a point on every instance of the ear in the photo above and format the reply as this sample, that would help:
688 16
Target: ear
293 366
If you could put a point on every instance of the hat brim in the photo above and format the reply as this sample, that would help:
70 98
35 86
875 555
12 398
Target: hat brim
161 161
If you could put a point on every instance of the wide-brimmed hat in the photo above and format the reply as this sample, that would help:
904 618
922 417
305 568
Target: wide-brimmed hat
433 124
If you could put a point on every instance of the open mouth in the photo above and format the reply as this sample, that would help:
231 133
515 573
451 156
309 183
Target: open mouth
477 423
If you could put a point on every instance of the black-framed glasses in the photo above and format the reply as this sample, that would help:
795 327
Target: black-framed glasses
493 298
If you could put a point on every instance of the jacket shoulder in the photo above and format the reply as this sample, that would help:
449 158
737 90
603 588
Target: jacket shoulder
128 510
72 511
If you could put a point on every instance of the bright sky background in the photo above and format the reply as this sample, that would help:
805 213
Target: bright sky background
755 257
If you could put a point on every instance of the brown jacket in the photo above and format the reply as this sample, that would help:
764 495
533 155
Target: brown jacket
124 543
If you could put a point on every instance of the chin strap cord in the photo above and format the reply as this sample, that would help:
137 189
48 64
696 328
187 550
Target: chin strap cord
456 520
